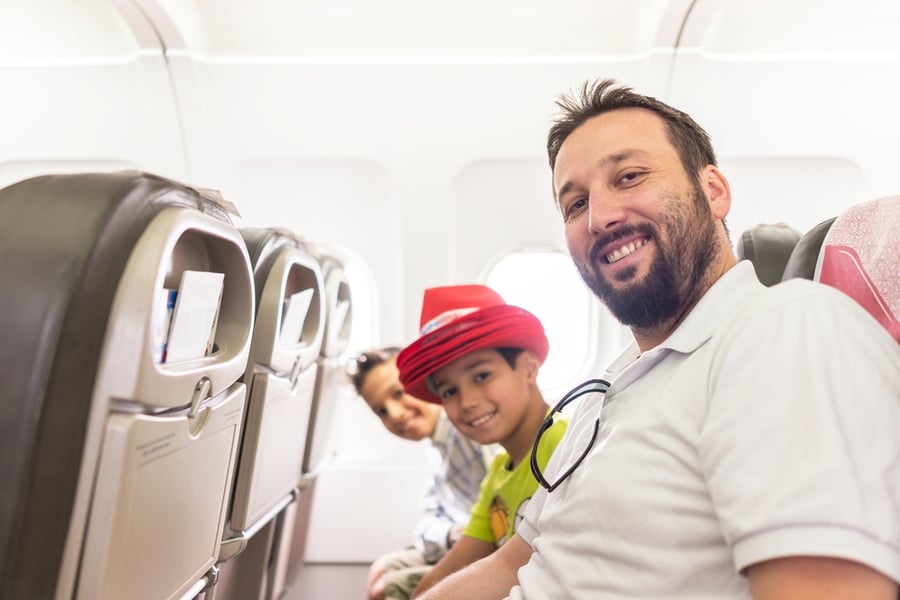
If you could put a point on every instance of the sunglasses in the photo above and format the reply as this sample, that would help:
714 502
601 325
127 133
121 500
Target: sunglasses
590 386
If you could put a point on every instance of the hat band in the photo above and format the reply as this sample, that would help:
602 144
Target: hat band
446 317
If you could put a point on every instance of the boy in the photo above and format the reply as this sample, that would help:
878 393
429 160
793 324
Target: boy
457 464
480 357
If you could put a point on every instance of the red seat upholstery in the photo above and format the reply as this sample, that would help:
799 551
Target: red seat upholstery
861 257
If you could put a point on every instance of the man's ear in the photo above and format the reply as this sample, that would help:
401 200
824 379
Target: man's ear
530 364
716 186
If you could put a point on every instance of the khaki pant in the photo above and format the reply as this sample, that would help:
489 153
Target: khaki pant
404 569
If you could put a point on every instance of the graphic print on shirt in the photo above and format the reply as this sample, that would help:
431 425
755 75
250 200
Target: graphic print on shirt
499 520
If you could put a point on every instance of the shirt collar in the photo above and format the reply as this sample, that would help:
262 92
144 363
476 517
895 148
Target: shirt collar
735 287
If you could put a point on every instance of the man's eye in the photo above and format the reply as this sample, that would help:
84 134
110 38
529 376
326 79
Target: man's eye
447 393
480 377
574 208
630 177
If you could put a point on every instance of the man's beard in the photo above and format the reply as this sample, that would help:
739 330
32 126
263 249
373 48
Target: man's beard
674 281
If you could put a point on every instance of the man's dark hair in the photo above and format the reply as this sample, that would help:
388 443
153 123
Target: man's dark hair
690 140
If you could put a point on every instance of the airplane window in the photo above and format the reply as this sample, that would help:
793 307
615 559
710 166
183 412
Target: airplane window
546 283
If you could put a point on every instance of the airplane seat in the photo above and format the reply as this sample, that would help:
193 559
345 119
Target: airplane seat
120 418
860 256
321 439
280 377
767 247
857 253
805 255
332 380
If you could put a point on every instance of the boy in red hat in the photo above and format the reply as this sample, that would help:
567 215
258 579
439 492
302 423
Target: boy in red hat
479 357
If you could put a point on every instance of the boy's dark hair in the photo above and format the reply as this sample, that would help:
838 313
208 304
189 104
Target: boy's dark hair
364 362
510 355
690 140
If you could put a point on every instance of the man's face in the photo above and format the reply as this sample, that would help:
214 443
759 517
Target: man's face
639 229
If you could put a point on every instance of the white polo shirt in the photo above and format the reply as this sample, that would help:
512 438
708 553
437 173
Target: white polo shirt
767 425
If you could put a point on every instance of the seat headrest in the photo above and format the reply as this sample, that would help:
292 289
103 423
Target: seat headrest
861 257
768 247
805 256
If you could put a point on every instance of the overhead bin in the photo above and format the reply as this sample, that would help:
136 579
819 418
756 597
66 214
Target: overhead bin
126 428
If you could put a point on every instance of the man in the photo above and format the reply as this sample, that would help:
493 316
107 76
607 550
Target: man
747 445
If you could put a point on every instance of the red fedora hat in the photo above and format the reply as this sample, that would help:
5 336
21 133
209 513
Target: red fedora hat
460 319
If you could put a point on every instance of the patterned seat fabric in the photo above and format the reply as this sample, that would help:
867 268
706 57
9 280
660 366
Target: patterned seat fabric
861 257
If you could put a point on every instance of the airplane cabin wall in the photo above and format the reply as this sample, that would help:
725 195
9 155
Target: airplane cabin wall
360 125
800 100
410 138
85 88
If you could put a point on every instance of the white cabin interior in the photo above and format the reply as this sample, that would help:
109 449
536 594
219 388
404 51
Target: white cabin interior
407 139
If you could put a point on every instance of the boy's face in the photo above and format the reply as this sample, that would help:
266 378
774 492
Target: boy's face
403 415
484 397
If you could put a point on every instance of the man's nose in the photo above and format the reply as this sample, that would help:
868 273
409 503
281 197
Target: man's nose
605 212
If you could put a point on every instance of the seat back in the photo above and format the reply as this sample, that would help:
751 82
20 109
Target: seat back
857 252
768 247
117 461
281 373
321 440
861 256
805 255
280 376
332 379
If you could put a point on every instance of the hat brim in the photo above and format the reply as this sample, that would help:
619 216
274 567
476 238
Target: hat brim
502 326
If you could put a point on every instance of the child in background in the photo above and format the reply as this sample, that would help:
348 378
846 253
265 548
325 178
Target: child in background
458 466
480 357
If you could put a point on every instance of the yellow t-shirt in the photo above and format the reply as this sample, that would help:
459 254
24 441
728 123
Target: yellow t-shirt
504 493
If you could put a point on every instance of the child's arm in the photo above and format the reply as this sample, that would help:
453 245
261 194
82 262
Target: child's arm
488 579
432 531
457 468
463 553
